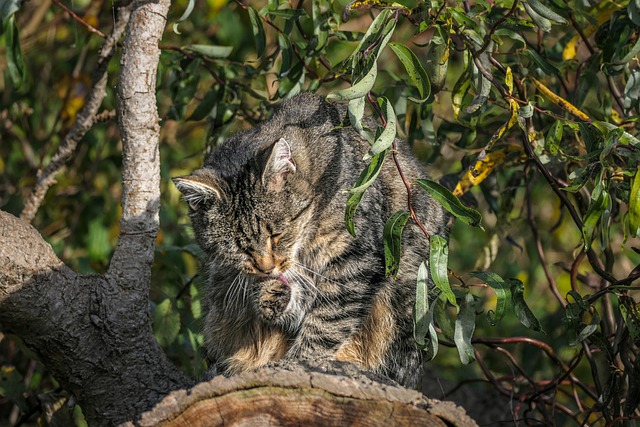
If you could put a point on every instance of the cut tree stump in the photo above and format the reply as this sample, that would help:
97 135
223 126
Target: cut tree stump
301 396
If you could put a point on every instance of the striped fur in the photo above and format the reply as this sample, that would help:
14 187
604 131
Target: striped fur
285 278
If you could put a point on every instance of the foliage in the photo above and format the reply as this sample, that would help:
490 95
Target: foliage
527 111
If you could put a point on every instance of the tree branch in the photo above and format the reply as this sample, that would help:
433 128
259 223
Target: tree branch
84 120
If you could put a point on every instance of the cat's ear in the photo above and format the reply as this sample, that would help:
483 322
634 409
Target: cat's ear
279 165
197 190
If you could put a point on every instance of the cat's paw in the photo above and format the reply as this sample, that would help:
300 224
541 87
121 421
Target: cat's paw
273 299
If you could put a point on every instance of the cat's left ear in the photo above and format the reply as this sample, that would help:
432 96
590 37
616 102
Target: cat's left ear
279 165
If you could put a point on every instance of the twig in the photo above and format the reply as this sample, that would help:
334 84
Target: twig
84 120
487 38
80 20
400 172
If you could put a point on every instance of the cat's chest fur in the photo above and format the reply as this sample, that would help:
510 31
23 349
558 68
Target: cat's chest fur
286 279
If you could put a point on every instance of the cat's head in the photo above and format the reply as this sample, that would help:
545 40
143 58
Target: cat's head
252 217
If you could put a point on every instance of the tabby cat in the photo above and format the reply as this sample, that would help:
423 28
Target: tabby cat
285 278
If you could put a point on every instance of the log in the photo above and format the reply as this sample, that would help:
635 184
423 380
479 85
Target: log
301 395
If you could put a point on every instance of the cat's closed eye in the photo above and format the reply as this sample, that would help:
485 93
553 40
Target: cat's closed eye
275 238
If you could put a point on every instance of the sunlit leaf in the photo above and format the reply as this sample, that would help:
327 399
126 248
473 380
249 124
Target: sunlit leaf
366 178
185 15
388 134
210 50
559 101
414 68
438 261
451 203
554 136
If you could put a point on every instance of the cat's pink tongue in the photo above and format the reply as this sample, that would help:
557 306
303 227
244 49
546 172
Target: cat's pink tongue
283 279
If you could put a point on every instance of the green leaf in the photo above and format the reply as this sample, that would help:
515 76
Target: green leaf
540 21
451 203
424 331
438 261
414 68
392 236
366 178
356 113
633 10
385 140
258 31
350 211
210 51
482 84
465 325
184 16
97 240
358 90
15 62
287 55
444 320
166 323
544 11
554 136
365 69
634 206
542 63
520 307
599 200
12 387
503 294
8 8
632 89
369 174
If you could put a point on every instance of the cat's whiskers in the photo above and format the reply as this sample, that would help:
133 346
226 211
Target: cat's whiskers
315 273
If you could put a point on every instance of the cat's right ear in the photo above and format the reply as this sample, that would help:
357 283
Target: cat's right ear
196 190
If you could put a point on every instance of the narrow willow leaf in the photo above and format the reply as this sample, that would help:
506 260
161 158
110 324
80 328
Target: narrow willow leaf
543 10
503 294
438 261
444 320
384 141
358 90
210 50
437 60
542 63
166 323
451 203
206 105
540 21
465 325
632 90
392 236
559 101
634 206
554 136
287 54
520 307
350 211
599 201
424 331
15 63
483 85
356 113
370 173
414 68
258 31
185 15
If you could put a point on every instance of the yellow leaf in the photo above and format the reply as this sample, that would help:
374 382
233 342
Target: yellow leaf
571 49
483 168
508 80
560 102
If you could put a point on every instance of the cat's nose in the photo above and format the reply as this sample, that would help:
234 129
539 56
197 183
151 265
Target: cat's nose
265 265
